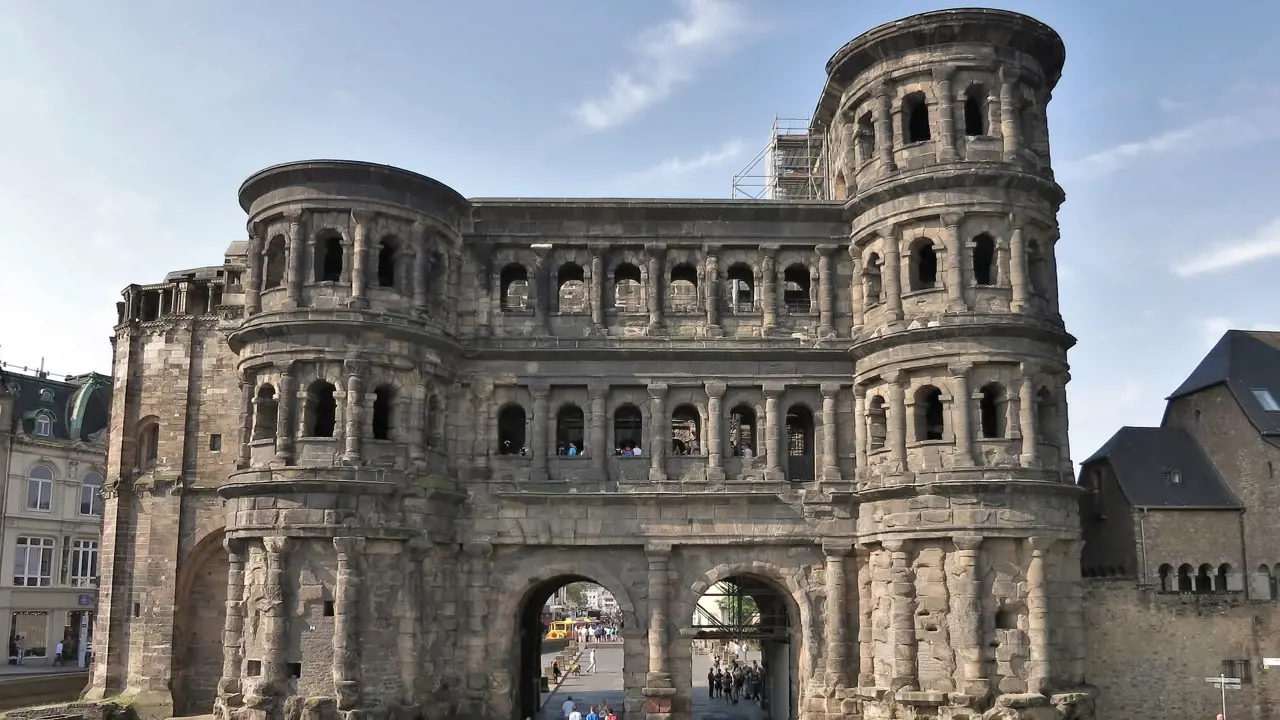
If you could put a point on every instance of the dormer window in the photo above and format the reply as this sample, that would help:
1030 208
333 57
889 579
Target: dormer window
44 425
46 395
1265 399
1174 475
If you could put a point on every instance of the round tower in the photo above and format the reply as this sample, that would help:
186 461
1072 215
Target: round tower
967 504
345 355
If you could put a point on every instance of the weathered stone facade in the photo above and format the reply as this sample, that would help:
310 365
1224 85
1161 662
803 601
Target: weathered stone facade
858 404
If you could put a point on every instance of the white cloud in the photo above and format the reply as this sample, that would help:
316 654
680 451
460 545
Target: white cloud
684 166
1212 328
1263 243
669 54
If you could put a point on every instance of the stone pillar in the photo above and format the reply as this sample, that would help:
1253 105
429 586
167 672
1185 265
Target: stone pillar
1039 668
956 301
866 621
768 288
1075 611
452 274
659 432
897 421
297 248
540 443
715 441
1063 438
835 613
960 414
892 274
253 279
361 219
966 616
711 296
1017 266
859 428
857 299
902 621
288 397
773 431
1030 457
275 642
596 293
656 252
946 112
825 288
421 265
478 555
830 456
542 287
409 639
420 427
353 407
346 622
598 444
483 390
659 688
1009 129
884 130
1051 270
248 418
229 691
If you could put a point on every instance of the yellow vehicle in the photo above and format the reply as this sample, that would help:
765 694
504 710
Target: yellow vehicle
561 629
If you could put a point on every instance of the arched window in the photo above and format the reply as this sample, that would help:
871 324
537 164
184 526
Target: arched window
1037 269
384 412
686 431
328 263
627 288
1166 577
975 113
39 488
992 409
930 424
435 421
44 425
1220 579
511 428
148 445
1046 416
514 282
984 260
388 253
873 287
265 412
915 118
877 422
571 288
799 444
924 265
273 263
682 294
741 288
570 435
322 409
795 289
742 431
628 429
91 494
866 138
1186 581
1204 579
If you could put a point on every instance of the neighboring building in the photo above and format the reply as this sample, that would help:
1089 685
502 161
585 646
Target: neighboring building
53 448
1182 542
358 426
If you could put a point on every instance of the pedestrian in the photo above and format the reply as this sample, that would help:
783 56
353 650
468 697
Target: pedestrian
575 715
555 670
57 653
592 714
591 663
711 683
567 708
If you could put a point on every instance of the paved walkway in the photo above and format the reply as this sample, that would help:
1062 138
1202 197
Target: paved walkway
604 685
706 708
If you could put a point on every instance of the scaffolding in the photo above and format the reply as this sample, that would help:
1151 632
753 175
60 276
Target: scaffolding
790 167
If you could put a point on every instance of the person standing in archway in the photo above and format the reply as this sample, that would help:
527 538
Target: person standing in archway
569 709
591 662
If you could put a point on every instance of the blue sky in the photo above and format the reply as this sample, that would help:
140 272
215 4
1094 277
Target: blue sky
128 127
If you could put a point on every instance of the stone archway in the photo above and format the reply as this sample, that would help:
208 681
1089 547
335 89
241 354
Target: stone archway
199 614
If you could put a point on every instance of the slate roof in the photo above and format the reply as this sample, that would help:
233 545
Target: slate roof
1142 458
1244 361
78 407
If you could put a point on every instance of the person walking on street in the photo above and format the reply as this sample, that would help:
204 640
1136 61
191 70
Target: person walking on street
568 708
591 662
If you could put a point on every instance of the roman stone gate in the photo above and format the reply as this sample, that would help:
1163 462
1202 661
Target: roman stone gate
402 418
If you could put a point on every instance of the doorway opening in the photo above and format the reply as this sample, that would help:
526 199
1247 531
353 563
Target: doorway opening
744 659
570 647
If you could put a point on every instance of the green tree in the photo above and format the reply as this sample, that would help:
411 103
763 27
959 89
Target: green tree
576 593
738 610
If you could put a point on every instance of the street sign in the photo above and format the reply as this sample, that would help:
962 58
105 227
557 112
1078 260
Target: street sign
1225 680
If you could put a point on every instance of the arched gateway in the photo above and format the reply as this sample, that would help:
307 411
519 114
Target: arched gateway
382 433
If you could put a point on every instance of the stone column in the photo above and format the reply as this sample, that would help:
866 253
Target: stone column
420 426
659 432
1017 266
539 446
768 285
902 621
1009 129
1039 668
248 418
956 301
596 292
1030 457
711 296
967 617
253 280
233 626
773 431
478 557
288 397
1051 270
1075 610
1063 432
884 130
866 621
598 444
892 274
656 284
830 456
346 622
297 248
542 287
361 219
452 274
659 688
835 614
483 390
946 112
857 299
897 421
275 642
715 442
421 265
409 638
825 286
960 413
353 406
859 428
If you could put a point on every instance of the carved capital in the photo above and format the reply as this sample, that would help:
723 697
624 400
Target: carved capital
257 231
893 377
539 388
896 546
293 216
769 249
829 389
656 250
774 389
1040 545
658 550
363 218
860 391
952 220
715 388
277 545
355 367
944 73
233 546
417 231
882 92
657 390
837 548
348 547
825 250
1028 370
541 250
598 388
710 251
960 369
1007 75
483 389
967 543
